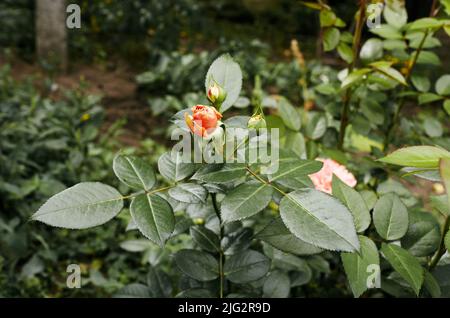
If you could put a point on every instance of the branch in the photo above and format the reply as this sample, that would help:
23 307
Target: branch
348 92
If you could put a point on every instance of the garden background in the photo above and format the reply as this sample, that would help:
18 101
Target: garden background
134 64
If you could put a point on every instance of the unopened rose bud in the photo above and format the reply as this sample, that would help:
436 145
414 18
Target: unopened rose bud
216 94
256 122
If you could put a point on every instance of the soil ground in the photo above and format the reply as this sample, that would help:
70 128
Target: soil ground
116 85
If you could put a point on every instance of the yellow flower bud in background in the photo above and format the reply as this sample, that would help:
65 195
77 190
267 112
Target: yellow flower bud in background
274 209
438 188
85 117
199 221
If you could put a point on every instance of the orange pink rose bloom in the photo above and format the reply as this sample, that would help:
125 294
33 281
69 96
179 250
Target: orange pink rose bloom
322 179
204 120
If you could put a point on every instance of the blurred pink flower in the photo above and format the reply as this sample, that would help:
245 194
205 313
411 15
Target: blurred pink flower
322 179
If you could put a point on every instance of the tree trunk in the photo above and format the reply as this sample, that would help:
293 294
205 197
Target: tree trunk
51 32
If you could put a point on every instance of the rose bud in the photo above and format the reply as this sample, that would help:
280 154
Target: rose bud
204 120
256 122
216 94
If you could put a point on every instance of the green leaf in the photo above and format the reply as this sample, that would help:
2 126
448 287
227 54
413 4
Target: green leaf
443 85
82 206
289 168
295 183
432 285
444 169
347 37
389 72
442 275
289 114
133 291
245 200
153 217
221 174
159 283
277 235
391 185
423 235
447 240
316 126
394 45
427 57
246 267
447 29
405 264
331 38
396 286
425 23
357 265
136 245
237 241
416 40
285 261
390 217
189 193
433 127
428 98
340 23
354 77
427 174
198 265
206 239
32 267
416 156
447 106
134 172
300 278
373 111
182 224
277 285
372 50
327 18
446 5
395 15
173 168
319 219
370 197
195 293
354 202
227 73
295 142
345 52
387 31
325 89
319 264
422 83
290 263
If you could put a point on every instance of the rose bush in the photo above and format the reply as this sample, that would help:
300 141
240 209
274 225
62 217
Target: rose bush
276 229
